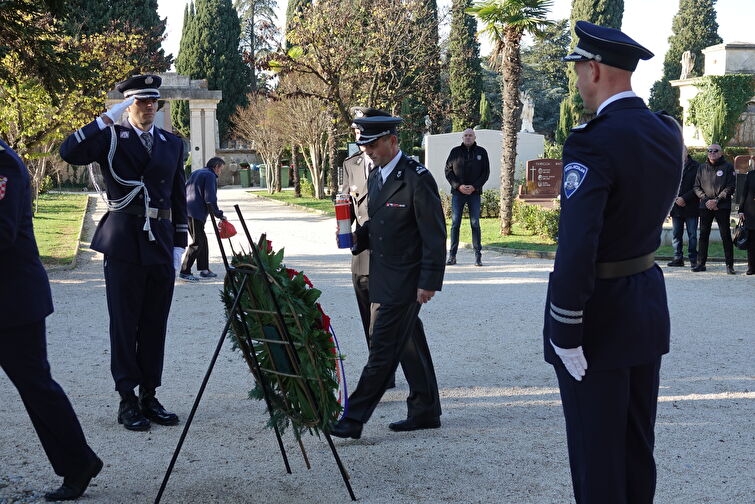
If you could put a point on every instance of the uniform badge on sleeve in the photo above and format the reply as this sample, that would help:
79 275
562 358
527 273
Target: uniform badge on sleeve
3 186
574 175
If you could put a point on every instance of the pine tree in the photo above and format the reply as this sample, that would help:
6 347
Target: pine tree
693 29
210 50
600 12
465 79
258 30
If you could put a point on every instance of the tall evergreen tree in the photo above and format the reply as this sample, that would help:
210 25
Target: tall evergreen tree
693 29
210 50
293 9
179 109
465 80
433 107
485 116
600 12
258 31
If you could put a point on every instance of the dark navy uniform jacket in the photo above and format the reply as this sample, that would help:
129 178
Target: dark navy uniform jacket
355 184
119 234
620 177
406 234
24 289
201 189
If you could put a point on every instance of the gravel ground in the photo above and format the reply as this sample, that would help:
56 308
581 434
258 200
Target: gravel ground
502 438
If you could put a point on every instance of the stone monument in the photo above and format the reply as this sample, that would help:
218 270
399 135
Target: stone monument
542 182
688 64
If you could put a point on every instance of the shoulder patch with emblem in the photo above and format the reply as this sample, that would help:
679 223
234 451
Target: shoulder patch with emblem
574 175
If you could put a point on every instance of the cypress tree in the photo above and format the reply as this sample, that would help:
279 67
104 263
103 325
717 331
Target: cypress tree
486 117
601 12
210 50
465 80
179 110
693 29
433 106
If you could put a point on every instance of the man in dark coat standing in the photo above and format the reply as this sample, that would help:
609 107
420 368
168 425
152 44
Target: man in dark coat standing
201 191
747 212
25 302
143 236
685 213
406 235
467 170
606 313
714 186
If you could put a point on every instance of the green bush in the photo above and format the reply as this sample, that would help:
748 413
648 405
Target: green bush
307 189
445 202
490 203
552 150
46 184
541 221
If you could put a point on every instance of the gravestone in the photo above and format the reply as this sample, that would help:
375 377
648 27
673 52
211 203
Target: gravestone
542 182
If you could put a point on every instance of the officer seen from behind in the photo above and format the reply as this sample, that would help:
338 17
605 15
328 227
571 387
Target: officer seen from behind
143 236
606 314
25 302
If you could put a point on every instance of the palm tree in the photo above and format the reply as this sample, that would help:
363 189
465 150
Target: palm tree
506 22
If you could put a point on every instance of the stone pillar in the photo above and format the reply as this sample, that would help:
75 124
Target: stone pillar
197 145
209 130
203 131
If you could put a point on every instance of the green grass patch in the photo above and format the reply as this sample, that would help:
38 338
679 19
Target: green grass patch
56 227
715 250
325 205
490 230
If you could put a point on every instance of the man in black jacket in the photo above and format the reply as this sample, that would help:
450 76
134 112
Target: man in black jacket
467 169
714 185
685 212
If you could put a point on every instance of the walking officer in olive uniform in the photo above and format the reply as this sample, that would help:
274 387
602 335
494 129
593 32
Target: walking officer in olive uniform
406 236
606 314
25 302
356 169
143 236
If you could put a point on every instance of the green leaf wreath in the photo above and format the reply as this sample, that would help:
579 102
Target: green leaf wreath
302 380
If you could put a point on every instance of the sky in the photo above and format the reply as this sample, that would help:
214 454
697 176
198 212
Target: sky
646 21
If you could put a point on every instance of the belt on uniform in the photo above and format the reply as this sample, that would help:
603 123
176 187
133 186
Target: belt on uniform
154 213
628 267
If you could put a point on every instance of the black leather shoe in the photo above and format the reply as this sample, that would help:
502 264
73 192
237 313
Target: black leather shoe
411 424
451 261
478 261
677 262
693 264
129 414
699 267
750 272
730 270
347 428
153 410
74 486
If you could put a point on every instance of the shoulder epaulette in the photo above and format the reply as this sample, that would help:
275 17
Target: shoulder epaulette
589 124
418 168
355 155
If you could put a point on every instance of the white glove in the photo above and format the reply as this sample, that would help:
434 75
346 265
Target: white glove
116 111
178 253
573 359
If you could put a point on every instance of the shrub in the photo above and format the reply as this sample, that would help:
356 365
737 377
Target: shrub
541 221
307 189
445 202
490 203
46 184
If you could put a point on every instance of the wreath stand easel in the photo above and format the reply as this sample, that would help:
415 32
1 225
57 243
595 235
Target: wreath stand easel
286 362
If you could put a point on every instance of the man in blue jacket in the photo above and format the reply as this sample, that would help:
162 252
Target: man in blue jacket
201 191
25 302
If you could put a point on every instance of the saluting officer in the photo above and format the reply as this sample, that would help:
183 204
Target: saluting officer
606 314
25 302
406 236
142 236
356 169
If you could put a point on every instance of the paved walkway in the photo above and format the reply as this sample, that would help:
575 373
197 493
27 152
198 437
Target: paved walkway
502 439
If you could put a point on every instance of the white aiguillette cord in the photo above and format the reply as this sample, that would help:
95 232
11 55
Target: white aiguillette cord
138 185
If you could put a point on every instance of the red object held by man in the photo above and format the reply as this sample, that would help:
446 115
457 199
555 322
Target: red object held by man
226 229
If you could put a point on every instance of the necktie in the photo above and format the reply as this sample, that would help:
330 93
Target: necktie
380 179
147 141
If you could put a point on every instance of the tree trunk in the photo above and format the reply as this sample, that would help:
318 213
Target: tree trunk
512 109
333 170
295 167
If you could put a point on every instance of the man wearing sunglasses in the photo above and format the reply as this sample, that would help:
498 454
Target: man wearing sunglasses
714 185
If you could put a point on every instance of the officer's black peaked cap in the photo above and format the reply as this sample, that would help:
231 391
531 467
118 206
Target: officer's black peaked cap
605 45
372 128
141 86
367 112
